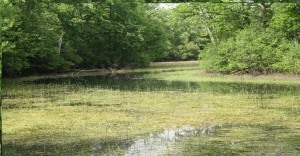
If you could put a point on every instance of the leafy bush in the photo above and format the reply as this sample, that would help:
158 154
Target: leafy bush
253 50
290 61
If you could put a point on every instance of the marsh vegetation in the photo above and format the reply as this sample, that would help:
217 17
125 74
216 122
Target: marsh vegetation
151 111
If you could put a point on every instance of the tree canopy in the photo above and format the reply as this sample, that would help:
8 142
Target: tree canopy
227 36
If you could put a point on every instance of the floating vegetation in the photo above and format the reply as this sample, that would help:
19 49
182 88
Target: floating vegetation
138 113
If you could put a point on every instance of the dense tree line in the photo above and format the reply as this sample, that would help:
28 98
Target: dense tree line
241 36
262 38
40 37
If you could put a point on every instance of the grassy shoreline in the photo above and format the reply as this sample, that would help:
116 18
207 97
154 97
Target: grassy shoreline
184 71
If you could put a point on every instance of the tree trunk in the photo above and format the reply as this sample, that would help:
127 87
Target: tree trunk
263 12
60 40
212 38
110 35
1 20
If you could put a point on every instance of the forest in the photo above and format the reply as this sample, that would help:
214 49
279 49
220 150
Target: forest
234 37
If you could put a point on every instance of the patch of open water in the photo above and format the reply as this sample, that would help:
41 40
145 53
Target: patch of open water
136 82
161 143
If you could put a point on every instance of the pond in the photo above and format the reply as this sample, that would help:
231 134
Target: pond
232 118
136 82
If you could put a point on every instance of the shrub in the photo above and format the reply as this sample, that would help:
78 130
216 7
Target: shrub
290 61
252 50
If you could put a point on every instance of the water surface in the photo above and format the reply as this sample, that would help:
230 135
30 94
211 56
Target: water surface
276 138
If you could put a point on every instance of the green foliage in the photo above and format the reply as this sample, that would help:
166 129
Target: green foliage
184 32
13 61
253 50
43 36
290 61
266 43
287 19
47 36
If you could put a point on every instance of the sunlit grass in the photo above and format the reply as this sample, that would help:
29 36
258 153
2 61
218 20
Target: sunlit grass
199 75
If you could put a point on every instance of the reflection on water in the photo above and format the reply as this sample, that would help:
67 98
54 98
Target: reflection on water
212 139
161 143
136 82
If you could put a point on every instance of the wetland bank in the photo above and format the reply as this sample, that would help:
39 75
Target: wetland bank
149 112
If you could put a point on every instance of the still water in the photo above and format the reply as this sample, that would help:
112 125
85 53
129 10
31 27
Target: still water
210 139
136 82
